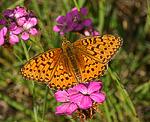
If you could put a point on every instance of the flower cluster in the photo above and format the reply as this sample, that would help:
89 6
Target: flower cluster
75 21
82 96
17 23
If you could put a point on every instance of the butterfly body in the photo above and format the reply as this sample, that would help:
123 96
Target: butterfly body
81 61
68 51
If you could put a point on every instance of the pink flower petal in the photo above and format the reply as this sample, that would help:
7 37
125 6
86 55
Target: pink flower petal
72 91
62 96
3 32
1 40
13 39
62 33
17 30
72 108
94 86
12 26
81 88
2 21
30 23
79 27
86 33
56 28
62 109
21 21
98 97
8 13
66 108
76 98
60 19
25 36
84 11
20 11
85 102
74 9
95 33
33 31
87 22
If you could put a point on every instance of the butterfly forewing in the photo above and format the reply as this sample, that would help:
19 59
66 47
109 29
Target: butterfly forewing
41 67
101 48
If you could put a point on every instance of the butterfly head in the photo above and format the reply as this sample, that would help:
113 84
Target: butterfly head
66 43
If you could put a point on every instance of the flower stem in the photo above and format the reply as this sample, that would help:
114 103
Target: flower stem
76 4
44 104
33 85
25 49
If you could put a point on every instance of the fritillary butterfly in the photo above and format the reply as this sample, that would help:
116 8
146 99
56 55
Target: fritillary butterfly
74 63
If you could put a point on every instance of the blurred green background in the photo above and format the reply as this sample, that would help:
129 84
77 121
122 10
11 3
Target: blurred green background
126 83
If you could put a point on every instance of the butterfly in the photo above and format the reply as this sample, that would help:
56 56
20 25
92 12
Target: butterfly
82 61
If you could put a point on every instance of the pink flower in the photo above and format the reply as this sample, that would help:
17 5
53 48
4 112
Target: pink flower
82 96
20 23
87 94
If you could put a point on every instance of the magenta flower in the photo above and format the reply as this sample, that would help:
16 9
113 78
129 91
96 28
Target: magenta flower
87 94
77 17
20 23
82 96
73 21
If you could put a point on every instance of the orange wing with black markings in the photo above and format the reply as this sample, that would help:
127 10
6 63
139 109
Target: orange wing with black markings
81 61
40 68
101 48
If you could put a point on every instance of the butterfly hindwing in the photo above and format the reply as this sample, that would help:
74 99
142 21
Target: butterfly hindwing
89 67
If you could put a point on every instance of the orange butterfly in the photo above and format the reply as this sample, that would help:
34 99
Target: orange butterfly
74 63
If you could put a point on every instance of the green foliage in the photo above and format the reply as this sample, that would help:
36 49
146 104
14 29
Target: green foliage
126 83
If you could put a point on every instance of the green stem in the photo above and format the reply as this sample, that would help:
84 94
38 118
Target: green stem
25 50
76 4
45 101
33 85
